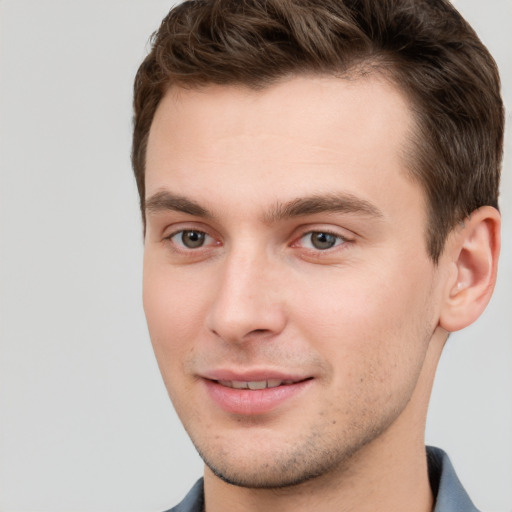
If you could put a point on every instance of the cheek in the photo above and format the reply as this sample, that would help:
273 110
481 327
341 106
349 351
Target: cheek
369 323
173 325
172 313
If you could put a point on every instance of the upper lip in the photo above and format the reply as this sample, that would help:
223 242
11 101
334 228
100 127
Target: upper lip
252 375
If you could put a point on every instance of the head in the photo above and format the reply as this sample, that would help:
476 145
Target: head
425 48
318 183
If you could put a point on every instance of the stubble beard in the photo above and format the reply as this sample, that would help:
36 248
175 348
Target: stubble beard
309 459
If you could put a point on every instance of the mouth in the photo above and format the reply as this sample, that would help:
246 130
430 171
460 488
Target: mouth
255 396
255 384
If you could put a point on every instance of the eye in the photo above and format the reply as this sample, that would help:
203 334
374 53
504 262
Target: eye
190 238
321 240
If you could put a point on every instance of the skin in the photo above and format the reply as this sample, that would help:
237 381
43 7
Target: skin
364 320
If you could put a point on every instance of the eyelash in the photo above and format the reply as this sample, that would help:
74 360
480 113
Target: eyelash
180 246
340 240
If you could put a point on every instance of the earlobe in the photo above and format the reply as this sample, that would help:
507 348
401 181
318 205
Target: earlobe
473 255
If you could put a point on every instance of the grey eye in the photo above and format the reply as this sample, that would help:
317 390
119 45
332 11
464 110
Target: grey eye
192 239
323 241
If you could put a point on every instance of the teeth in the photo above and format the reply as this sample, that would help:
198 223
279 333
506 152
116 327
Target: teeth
257 385
239 384
261 384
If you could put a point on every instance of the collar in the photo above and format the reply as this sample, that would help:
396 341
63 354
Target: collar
450 495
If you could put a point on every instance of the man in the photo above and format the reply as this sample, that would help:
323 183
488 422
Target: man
318 184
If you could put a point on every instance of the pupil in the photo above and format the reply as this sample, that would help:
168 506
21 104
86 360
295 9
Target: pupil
192 239
323 240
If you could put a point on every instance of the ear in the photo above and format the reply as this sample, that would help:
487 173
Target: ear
472 251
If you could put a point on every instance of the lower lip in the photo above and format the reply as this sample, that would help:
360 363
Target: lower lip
251 402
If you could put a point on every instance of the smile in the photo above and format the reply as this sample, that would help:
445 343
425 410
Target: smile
254 397
254 385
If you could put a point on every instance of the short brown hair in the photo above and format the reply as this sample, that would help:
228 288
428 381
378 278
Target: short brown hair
427 49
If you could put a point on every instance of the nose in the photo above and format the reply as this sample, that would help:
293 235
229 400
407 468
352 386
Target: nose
248 302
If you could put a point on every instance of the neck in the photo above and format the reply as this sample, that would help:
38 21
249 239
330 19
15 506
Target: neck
390 474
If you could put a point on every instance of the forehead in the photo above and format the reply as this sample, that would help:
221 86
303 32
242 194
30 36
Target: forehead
316 133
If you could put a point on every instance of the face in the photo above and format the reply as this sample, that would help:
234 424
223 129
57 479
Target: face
287 288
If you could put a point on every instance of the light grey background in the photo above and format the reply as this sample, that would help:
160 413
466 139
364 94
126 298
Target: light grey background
85 423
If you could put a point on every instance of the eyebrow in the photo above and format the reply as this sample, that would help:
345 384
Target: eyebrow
310 205
165 201
330 203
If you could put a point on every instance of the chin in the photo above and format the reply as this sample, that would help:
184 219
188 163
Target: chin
267 476
274 467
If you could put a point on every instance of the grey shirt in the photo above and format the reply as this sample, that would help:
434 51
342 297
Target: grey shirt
450 495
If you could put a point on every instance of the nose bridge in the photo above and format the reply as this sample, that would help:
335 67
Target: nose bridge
246 301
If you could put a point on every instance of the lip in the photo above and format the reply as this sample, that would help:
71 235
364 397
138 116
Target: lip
253 402
252 375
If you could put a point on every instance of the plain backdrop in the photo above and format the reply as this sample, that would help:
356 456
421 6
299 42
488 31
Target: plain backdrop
85 422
